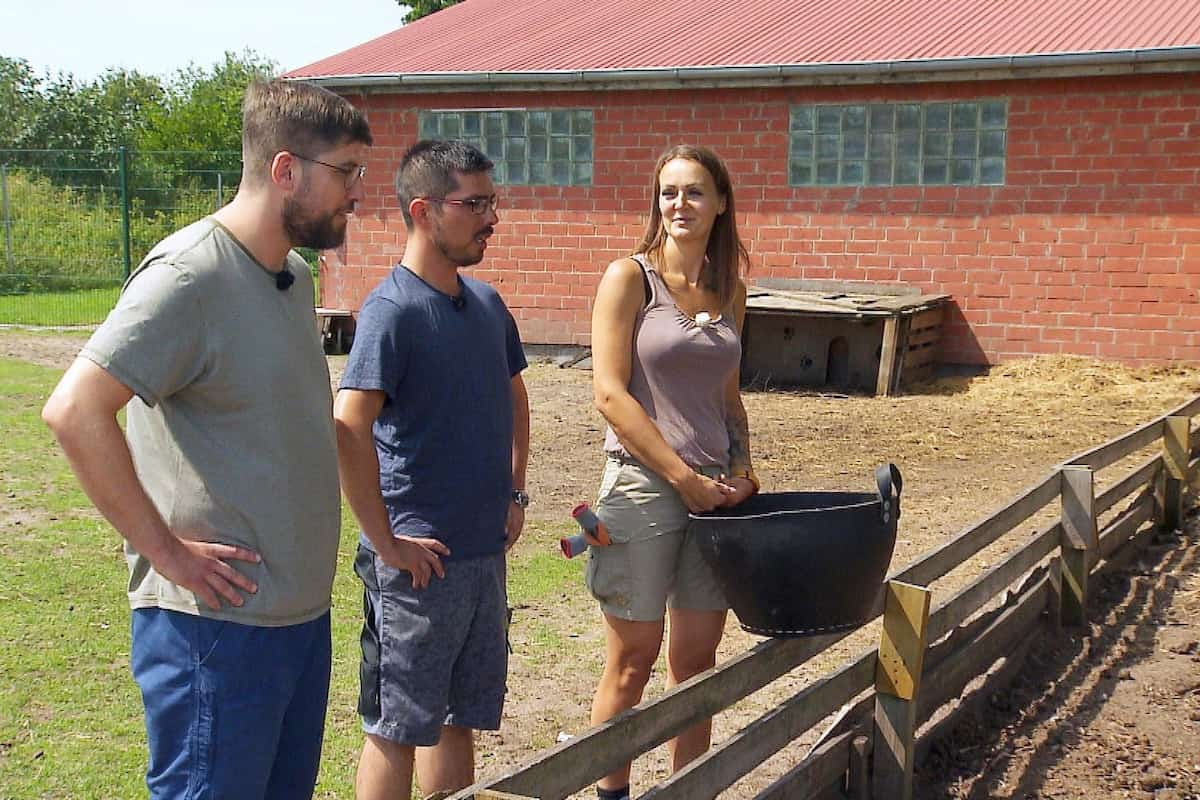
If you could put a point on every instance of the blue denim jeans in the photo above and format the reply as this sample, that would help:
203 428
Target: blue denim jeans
231 710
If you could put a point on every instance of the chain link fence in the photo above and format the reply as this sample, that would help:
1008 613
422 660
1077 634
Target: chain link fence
73 223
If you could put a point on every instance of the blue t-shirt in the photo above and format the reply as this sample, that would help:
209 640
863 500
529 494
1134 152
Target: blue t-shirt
444 435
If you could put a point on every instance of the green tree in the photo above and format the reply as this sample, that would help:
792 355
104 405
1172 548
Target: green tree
127 101
61 113
202 109
21 99
423 8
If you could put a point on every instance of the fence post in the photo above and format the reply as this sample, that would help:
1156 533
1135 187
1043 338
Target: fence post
1079 543
1176 452
858 776
897 682
8 245
220 191
123 171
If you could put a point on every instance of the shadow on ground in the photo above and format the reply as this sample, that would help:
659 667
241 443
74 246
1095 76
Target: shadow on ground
1108 711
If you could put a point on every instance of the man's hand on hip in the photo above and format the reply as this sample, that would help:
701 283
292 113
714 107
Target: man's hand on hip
417 555
201 568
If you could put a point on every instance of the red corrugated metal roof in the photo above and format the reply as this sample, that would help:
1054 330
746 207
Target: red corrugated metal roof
549 35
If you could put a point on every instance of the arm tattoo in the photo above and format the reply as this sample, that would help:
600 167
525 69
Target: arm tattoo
739 440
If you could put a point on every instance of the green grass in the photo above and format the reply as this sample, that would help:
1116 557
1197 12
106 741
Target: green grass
79 307
70 714
83 307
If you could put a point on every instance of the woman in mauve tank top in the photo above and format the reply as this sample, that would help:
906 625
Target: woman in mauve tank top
665 354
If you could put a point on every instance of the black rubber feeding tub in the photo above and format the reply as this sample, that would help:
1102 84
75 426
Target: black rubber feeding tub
803 563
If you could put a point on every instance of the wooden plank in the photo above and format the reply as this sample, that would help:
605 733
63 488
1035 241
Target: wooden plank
946 681
1079 541
933 565
559 771
887 357
723 765
1176 446
858 777
1114 450
946 647
856 716
1078 513
1054 601
918 374
902 644
920 338
1187 409
1176 449
793 303
928 318
1002 676
1076 565
918 358
897 685
825 767
1144 473
1126 551
829 286
1119 531
978 593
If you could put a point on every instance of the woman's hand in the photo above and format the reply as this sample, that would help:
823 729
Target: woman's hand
740 489
701 493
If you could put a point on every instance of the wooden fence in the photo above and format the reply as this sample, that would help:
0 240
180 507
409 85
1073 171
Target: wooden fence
926 656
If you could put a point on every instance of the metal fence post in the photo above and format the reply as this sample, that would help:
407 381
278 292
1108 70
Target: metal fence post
123 154
8 245
220 191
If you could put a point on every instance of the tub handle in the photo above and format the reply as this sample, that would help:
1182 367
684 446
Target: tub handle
887 478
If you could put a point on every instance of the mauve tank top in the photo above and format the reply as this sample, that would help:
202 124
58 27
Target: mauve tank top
678 374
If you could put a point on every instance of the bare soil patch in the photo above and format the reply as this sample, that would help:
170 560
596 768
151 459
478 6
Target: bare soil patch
1112 710
965 446
45 350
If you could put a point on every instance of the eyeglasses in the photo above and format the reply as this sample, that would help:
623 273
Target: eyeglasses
352 174
477 205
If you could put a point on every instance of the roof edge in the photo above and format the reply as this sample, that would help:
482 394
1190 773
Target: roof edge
1093 63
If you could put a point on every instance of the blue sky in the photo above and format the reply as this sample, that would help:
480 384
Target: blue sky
160 37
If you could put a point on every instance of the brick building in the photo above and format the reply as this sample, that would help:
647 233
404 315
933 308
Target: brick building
1037 160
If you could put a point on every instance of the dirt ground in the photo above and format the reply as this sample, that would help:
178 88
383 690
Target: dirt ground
1113 711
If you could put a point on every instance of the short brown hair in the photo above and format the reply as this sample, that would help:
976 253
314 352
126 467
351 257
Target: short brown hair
294 116
727 256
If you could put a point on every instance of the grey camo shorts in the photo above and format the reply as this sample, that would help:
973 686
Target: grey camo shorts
434 656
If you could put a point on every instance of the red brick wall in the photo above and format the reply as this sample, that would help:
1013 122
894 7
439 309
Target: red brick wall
1092 246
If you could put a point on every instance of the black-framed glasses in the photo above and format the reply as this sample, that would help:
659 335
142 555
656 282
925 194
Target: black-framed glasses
476 205
352 174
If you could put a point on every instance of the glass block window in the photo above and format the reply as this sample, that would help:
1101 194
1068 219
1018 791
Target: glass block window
538 147
890 144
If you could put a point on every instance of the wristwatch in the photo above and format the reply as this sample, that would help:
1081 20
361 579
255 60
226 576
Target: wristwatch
520 498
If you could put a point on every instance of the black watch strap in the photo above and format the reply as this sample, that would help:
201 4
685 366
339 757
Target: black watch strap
520 498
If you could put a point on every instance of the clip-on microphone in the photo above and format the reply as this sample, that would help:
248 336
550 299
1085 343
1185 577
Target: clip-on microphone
284 279
459 302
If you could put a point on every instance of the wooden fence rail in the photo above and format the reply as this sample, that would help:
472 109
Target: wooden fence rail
984 626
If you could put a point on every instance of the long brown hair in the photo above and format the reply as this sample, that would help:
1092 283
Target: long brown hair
726 255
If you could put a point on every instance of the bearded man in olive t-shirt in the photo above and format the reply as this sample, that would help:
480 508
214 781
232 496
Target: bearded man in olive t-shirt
225 487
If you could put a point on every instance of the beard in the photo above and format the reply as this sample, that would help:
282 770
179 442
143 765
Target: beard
308 228
463 256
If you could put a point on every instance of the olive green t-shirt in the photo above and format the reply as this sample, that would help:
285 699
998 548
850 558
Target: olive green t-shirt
231 428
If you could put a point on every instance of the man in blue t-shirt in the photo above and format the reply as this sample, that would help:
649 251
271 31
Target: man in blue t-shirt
432 422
